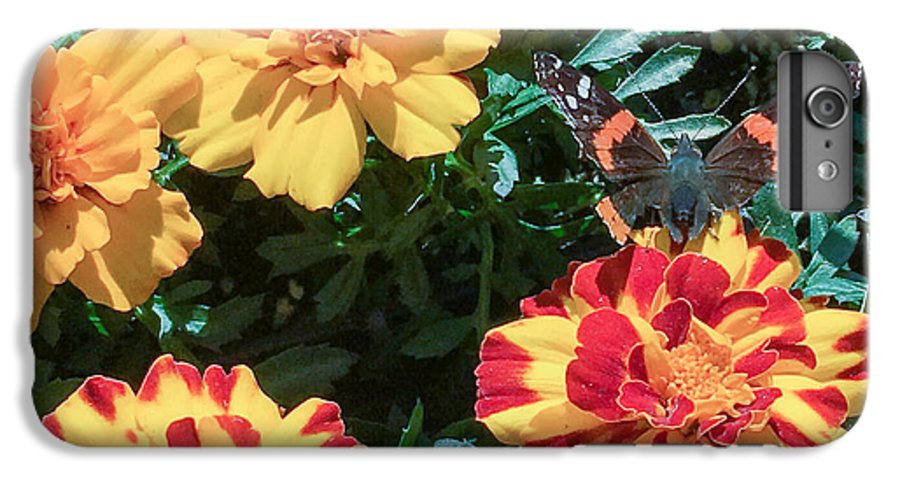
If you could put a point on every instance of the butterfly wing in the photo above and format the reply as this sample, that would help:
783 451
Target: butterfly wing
611 137
608 134
743 161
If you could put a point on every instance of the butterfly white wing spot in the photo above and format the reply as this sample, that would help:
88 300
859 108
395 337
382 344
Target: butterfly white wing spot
584 87
560 87
586 118
571 101
557 62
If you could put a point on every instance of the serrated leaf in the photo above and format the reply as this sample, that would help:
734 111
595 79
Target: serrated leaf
840 241
412 280
339 293
818 226
48 396
526 101
608 47
227 321
696 126
771 219
301 372
410 228
413 428
188 291
294 252
452 442
437 338
666 66
502 163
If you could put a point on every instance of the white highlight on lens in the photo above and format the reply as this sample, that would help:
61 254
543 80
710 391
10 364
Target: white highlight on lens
827 170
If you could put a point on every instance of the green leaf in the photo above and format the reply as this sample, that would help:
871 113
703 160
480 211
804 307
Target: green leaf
47 397
501 161
413 429
188 291
818 226
839 243
301 372
666 66
827 280
68 39
227 321
772 219
609 47
526 101
437 338
412 280
452 442
339 293
294 252
410 228
696 126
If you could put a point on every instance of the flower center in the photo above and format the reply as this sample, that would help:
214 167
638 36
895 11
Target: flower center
698 370
54 159
330 47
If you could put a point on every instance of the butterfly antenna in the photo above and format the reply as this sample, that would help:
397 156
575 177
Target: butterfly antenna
646 97
727 98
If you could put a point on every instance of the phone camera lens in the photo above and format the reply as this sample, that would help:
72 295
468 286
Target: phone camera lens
827 107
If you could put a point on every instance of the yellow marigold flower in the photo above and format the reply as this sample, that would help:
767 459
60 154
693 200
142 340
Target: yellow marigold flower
99 219
297 104
177 407
701 343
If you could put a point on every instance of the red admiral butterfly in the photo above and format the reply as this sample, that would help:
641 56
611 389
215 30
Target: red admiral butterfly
684 187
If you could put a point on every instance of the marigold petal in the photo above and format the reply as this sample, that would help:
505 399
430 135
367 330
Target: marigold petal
839 339
170 391
699 280
148 69
782 321
809 412
152 235
213 42
237 393
556 301
227 431
522 382
607 339
435 51
627 281
674 320
310 146
121 151
100 412
313 423
216 129
724 242
769 263
70 229
415 117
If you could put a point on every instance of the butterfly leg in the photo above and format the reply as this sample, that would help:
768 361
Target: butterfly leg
669 222
701 216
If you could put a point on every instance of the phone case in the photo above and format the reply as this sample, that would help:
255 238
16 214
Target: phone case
435 238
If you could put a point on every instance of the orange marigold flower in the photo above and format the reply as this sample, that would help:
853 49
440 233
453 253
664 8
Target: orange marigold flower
99 219
297 104
176 407
675 344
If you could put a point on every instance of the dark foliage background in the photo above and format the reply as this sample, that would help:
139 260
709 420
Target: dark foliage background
380 303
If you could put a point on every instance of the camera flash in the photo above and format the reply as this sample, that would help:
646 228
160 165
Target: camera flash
827 170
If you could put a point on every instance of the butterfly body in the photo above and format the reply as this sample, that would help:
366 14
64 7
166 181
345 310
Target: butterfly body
682 188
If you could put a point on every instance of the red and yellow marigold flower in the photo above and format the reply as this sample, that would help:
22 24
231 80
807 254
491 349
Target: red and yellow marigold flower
675 344
176 407
297 103
99 219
